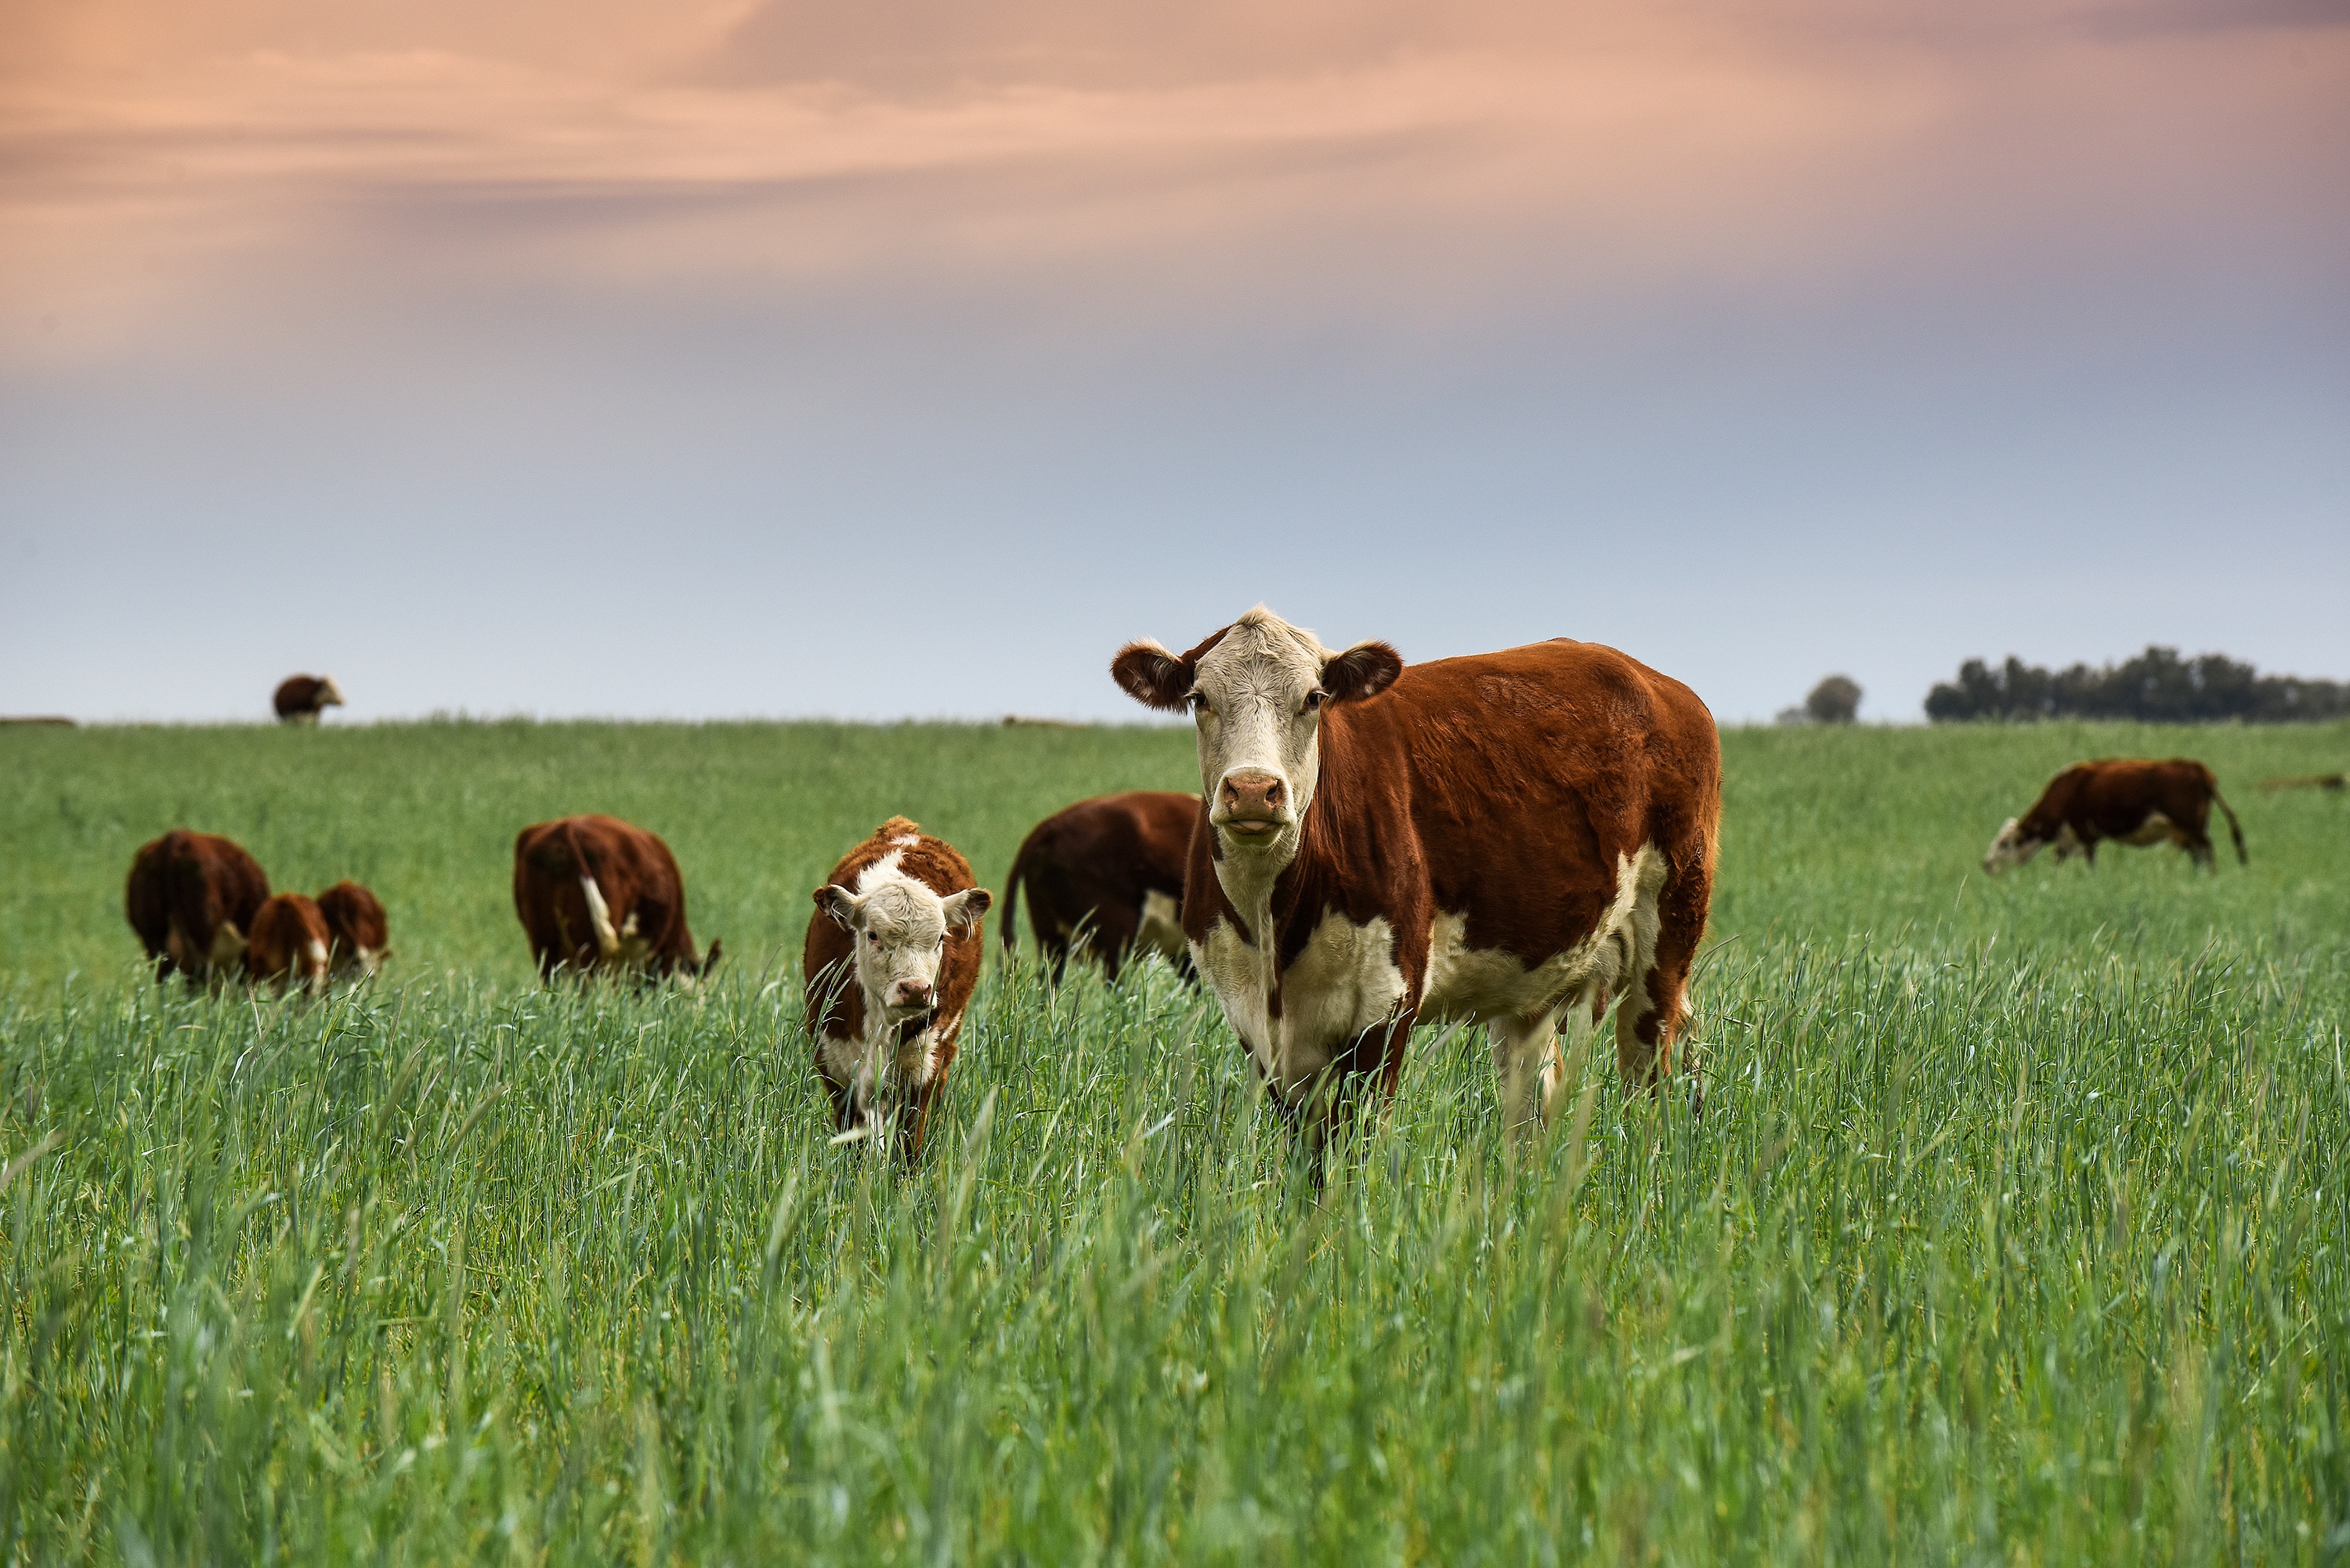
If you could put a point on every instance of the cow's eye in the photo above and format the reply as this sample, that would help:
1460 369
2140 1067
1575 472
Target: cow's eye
1198 700
1313 700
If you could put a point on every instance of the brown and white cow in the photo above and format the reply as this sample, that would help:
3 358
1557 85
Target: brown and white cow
288 944
890 958
596 893
360 934
1514 838
300 698
2131 800
1105 875
192 898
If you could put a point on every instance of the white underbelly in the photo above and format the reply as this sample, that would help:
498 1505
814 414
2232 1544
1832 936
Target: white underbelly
1161 928
1466 982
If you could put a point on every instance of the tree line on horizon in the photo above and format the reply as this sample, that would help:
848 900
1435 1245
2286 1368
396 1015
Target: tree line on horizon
2156 686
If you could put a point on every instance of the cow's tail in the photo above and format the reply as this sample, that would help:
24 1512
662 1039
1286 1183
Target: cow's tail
599 913
2235 831
1011 901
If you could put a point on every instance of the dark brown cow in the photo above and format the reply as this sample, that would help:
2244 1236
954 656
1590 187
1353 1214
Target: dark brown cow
191 899
289 943
300 698
1516 838
2130 800
1106 875
595 892
360 935
891 955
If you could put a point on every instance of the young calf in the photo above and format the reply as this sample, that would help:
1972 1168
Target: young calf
192 898
355 923
2127 799
1105 874
891 955
595 892
289 943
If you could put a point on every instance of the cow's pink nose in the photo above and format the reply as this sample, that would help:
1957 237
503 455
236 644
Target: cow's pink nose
1254 794
912 993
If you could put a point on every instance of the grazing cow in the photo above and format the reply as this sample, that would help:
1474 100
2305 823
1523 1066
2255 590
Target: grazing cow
355 922
891 955
302 698
1513 838
1105 874
595 892
289 943
2131 800
191 899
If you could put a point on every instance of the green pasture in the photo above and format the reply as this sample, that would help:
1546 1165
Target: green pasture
2013 1229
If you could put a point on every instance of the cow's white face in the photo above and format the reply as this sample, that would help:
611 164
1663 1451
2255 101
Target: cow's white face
329 694
1256 693
899 929
2010 848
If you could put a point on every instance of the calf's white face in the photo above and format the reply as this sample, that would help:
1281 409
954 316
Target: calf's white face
1257 695
2010 848
899 929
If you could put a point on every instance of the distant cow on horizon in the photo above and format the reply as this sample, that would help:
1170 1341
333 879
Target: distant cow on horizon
300 698
287 946
595 892
890 958
1104 875
358 935
2131 800
192 898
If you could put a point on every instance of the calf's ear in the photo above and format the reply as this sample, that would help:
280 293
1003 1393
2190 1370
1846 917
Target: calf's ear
1364 671
965 908
840 903
1153 677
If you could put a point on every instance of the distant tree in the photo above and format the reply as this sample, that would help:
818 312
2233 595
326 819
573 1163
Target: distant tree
1834 701
2154 687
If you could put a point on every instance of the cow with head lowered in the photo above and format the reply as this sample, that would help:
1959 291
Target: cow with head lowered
892 953
599 895
192 898
2130 800
301 699
1517 839
1104 877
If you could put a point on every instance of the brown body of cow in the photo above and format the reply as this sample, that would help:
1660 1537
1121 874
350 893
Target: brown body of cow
596 893
288 944
2131 800
889 960
1105 875
192 898
1515 838
358 933
300 698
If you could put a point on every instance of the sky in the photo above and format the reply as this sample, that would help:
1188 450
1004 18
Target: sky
816 358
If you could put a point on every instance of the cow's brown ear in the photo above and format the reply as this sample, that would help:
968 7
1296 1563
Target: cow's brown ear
840 903
1153 677
1364 671
964 910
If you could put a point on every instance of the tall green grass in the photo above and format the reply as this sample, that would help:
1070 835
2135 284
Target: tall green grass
2014 1231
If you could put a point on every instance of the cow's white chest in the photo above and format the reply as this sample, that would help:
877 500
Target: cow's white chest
875 1059
1345 982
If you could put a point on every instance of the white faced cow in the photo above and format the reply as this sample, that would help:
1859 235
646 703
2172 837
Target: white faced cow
1516 838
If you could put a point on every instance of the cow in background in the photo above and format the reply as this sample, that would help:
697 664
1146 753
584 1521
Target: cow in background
1516 838
300 698
359 934
889 960
287 945
1104 875
192 898
596 893
2131 800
